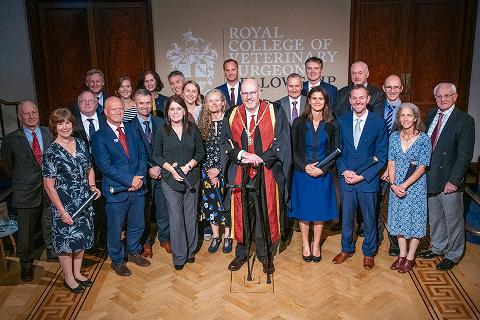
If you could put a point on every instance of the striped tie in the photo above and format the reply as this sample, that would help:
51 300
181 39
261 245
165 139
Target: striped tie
389 118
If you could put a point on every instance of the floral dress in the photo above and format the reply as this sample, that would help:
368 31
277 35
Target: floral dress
70 174
211 206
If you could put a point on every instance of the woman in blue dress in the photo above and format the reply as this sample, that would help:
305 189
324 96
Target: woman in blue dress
69 179
313 199
409 148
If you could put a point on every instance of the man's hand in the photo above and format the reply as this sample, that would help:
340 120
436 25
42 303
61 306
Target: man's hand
353 178
154 172
449 188
384 175
136 184
251 158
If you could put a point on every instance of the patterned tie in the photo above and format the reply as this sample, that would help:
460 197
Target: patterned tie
357 132
294 110
100 105
389 118
436 131
148 131
232 97
37 151
123 140
251 148
91 128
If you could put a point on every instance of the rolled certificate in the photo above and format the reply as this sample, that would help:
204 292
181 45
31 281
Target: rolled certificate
332 156
367 165
411 169
187 182
83 206
115 190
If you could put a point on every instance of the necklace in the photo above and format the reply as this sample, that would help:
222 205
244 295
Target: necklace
251 133
405 137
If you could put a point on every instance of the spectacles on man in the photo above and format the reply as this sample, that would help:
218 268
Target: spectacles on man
249 93
86 102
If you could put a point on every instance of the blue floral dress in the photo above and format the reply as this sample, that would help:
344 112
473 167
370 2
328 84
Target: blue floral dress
407 216
71 183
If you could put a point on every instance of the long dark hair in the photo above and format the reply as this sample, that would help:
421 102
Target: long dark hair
168 123
141 81
327 110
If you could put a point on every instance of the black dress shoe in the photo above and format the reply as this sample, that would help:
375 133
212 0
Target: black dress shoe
178 266
121 269
307 258
86 284
138 260
336 227
268 268
445 265
426 254
235 265
77 290
316 259
191 260
27 274
393 252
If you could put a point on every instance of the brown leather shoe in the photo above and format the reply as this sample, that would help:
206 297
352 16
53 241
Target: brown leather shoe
138 260
396 265
167 245
368 262
341 257
147 251
121 269
235 265
407 266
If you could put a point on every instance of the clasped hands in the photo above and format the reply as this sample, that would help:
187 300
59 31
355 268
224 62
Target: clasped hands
212 174
136 184
351 177
312 170
251 158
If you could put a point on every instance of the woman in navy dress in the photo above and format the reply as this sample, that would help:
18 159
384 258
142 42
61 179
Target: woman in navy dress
313 199
407 206
69 178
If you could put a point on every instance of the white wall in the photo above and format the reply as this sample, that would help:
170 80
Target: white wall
474 97
16 70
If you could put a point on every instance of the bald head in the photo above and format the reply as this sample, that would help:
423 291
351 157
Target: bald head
114 110
28 114
250 94
392 86
359 73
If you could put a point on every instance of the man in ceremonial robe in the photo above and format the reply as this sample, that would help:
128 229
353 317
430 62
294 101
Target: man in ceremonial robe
257 132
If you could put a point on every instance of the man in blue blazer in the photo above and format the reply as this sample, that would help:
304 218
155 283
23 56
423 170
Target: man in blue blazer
120 155
232 87
363 135
313 70
155 199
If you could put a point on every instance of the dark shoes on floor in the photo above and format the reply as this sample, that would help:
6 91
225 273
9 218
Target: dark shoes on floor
427 254
341 257
77 290
214 244
86 284
27 273
166 245
235 265
138 260
445 265
407 266
268 267
147 251
336 227
396 265
227 245
121 269
368 262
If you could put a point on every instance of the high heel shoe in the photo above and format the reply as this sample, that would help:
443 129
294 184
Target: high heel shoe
307 258
316 259
407 266
396 265
77 290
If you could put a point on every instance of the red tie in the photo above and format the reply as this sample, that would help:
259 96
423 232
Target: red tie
251 148
436 131
232 97
37 151
123 140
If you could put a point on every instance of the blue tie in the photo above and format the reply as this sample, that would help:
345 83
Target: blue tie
389 118
91 128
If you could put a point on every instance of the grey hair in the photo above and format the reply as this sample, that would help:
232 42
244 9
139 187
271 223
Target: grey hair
419 126
452 87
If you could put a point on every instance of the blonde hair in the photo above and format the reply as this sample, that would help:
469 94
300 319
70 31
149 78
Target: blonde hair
205 118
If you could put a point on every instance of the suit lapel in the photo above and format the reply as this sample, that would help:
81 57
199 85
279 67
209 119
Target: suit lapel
365 129
303 101
349 124
449 126
115 140
26 145
286 106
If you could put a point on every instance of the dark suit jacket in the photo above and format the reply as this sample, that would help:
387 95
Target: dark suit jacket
160 104
285 103
226 93
453 152
329 88
376 104
373 142
157 123
79 130
20 164
299 130
118 170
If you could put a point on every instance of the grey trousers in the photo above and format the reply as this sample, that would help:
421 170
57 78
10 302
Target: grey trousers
182 210
447 224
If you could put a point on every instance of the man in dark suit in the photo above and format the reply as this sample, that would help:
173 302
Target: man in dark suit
120 155
359 75
95 83
231 89
313 70
294 103
22 158
452 132
363 135
155 199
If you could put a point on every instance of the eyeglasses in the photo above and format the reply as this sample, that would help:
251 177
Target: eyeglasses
86 102
251 93
393 87
445 96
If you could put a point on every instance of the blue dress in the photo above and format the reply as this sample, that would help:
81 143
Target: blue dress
70 174
407 216
313 199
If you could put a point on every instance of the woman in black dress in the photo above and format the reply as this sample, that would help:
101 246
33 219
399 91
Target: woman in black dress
69 179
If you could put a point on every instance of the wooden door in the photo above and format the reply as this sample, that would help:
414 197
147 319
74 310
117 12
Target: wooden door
70 37
425 42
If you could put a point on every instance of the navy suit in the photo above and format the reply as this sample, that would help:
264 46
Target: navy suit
155 192
226 93
330 89
373 142
118 171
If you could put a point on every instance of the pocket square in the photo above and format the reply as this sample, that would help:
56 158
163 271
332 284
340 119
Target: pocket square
115 140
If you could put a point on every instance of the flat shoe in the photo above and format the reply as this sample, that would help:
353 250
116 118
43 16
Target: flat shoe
407 266
227 245
214 244
77 290
397 264
86 284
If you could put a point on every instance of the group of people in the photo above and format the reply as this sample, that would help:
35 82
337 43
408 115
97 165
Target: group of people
241 162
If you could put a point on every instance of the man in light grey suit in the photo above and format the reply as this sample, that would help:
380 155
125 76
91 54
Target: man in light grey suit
294 102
